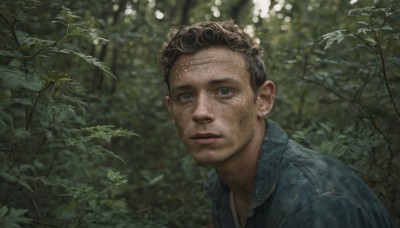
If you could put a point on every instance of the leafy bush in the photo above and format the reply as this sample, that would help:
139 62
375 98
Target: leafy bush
59 102
358 73
54 169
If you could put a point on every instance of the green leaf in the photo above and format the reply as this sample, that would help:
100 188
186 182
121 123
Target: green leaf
14 101
13 218
13 179
12 78
371 41
20 133
66 15
8 177
331 37
25 185
93 61
3 211
105 152
363 23
156 179
387 28
106 132
29 42
94 34
60 112
363 30
116 178
394 60
10 53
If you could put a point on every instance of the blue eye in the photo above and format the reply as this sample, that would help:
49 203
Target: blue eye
224 91
185 96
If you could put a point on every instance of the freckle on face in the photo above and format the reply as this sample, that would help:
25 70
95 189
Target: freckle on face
232 119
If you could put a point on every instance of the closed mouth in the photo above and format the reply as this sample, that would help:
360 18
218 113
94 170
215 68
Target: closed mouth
204 136
205 139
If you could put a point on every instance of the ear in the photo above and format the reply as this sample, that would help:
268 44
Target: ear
169 106
265 98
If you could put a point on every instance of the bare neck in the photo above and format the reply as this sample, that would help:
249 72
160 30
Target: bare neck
240 171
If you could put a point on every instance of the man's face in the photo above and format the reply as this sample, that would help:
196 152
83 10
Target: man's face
212 104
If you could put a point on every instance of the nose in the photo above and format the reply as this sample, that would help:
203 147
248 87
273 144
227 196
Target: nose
203 112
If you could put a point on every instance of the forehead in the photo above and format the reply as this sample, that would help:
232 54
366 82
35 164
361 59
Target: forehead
216 56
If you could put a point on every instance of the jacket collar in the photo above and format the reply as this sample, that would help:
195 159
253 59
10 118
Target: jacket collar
268 166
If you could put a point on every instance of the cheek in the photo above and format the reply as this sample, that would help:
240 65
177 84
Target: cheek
245 118
241 114
179 117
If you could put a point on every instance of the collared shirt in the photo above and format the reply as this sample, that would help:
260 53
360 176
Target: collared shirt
297 187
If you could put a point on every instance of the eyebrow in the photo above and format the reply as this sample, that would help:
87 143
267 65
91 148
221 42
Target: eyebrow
212 82
223 80
180 87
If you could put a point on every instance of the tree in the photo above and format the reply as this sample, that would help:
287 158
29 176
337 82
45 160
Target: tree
70 74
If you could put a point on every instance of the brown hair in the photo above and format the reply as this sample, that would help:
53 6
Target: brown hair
193 38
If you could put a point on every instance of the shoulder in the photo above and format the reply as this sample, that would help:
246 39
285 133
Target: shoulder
322 189
320 174
332 211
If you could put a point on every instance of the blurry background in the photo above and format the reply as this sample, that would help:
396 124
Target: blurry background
85 139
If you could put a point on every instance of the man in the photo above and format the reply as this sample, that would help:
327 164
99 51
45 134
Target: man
218 99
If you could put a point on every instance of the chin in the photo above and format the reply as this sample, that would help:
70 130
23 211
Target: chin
207 159
201 164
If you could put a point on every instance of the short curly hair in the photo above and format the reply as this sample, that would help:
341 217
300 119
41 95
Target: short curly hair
192 38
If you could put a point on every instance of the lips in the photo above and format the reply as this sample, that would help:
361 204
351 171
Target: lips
204 138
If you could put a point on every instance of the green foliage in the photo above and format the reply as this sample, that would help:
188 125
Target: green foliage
13 217
372 93
354 77
338 91
54 170
63 113
93 61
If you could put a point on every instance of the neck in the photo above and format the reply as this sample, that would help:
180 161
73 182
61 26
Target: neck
240 171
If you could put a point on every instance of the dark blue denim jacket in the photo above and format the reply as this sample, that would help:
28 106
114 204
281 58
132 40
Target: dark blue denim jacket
297 187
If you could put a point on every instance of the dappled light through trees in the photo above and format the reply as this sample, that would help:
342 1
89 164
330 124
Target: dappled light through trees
85 137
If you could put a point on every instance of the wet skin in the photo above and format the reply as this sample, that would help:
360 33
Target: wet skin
217 114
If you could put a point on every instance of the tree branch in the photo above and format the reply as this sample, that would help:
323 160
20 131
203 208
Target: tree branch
383 63
11 27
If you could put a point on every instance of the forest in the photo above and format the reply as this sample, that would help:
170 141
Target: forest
85 137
